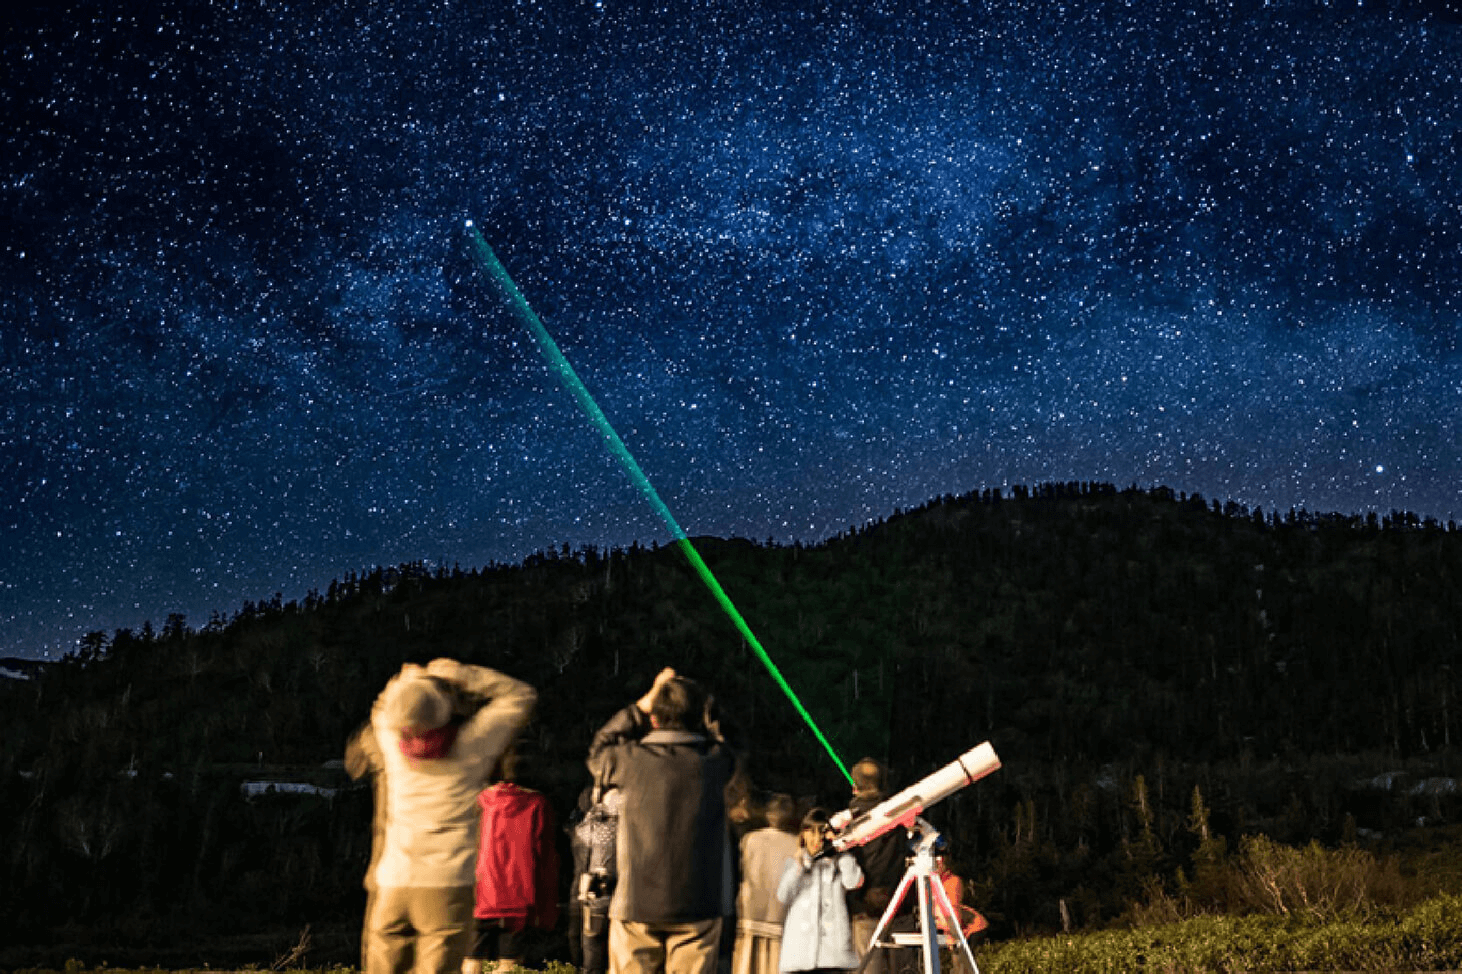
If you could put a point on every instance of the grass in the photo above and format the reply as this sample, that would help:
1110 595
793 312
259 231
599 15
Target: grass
1425 938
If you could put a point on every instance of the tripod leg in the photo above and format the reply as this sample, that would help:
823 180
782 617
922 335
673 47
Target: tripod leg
928 927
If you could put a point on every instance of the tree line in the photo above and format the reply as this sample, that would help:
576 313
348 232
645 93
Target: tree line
1121 648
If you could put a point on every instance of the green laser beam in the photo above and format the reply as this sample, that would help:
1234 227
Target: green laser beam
615 445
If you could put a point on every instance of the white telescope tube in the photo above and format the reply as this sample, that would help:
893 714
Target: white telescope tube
903 808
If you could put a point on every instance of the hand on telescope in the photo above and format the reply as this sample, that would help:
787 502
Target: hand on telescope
648 700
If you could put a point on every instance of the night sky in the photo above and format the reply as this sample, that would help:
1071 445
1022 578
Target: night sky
816 261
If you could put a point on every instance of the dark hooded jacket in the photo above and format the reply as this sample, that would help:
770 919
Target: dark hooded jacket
673 849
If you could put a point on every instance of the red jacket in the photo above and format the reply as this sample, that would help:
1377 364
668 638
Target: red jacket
517 862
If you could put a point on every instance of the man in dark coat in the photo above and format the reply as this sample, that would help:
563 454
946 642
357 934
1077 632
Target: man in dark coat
883 861
673 853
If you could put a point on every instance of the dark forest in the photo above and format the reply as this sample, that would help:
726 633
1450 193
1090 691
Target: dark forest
1140 659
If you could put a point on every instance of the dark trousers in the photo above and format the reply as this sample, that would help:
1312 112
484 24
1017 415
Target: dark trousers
589 934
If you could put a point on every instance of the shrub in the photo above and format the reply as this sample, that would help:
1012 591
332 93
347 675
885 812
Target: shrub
1266 877
1313 882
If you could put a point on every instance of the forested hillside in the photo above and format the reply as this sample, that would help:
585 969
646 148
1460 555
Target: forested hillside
1120 649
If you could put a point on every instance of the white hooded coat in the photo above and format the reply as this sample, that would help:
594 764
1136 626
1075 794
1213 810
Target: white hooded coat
817 933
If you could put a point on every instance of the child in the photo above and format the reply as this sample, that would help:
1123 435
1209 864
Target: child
759 914
971 921
517 870
817 934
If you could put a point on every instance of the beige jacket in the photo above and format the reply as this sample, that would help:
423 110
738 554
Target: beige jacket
764 855
432 815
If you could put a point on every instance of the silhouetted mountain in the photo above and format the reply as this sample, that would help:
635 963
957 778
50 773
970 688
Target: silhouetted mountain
1118 648
16 668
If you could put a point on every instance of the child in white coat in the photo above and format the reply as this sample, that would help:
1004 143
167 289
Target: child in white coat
817 934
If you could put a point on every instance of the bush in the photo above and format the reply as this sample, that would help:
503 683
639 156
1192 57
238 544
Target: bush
1313 882
1266 877
1432 933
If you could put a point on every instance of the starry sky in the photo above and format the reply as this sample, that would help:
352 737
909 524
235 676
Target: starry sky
816 261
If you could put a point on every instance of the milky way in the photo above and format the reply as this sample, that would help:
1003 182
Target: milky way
815 264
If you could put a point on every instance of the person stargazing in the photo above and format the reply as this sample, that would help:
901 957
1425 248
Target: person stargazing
439 729
673 849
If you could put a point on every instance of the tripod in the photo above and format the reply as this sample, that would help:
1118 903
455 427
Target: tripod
921 873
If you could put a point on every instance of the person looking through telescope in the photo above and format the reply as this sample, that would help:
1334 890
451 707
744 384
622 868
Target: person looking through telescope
816 936
673 850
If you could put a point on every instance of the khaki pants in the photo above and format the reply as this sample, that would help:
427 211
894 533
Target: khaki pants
365 928
425 929
664 948
863 927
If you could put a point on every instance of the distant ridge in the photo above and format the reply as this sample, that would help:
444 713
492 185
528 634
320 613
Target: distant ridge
15 668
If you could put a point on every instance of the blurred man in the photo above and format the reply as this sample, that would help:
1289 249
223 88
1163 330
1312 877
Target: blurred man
436 760
362 759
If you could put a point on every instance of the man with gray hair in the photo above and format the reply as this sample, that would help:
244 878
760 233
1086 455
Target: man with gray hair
440 729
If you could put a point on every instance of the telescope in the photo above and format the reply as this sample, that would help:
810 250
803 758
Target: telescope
904 808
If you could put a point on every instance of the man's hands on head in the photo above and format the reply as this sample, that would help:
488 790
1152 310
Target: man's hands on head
648 700
443 668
